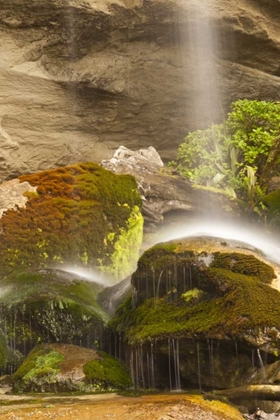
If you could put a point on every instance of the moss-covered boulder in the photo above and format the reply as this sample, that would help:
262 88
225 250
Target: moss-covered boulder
39 306
205 301
81 214
64 368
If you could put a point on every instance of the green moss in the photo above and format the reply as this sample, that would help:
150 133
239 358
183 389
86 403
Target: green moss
70 217
129 240
30 362
272 201
244 264
158 256
107 372
42 368
238 304
48 306
192 294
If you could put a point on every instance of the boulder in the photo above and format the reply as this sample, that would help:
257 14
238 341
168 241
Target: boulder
205 309
79 78
49 306
82 215
68 368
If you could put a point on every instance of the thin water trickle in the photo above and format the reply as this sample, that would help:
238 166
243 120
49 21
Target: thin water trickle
260 358
211 360
136 368
142 367
153 367
237 355
169 364
198 367
262 366
176 362
148 370
158 284
131 365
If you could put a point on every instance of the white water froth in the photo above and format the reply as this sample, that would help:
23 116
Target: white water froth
268 245
89 274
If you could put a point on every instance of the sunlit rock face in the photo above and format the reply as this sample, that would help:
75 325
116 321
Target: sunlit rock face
203 307
79 78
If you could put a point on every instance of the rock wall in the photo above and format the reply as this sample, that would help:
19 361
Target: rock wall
79 78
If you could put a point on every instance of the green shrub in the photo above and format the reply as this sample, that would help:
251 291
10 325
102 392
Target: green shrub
235 155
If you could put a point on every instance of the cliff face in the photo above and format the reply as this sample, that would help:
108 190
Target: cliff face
79 78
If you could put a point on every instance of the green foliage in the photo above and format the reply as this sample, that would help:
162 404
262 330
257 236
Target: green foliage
200 154
234 155
107 372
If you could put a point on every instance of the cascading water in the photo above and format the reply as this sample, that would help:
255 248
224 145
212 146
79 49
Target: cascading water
202 74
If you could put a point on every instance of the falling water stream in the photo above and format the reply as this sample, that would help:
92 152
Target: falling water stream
203 74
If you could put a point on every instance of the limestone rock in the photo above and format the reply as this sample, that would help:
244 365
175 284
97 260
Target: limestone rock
79 78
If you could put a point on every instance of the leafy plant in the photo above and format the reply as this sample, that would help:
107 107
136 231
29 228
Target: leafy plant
233 156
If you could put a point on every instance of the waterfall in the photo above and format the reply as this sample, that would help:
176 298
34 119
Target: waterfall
202 68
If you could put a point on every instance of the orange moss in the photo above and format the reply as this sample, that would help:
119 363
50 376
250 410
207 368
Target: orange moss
73 211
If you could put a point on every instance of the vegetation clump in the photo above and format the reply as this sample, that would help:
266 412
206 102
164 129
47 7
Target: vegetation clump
38 371
237 156
107 372
79 214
